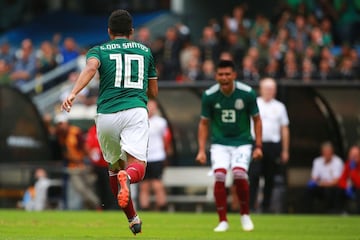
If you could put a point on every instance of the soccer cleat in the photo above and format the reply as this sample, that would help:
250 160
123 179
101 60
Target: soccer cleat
124 190
135 225
222 227
246 223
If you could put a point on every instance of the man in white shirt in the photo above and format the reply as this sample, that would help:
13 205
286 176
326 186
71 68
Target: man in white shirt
157 153
325 174
276 139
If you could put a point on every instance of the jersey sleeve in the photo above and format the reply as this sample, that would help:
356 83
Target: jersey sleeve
152 70
205 106
253 107
93 53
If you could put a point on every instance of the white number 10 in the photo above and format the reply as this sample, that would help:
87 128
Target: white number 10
119 65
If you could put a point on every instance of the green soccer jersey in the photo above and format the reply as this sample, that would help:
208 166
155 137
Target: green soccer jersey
125 67
230 115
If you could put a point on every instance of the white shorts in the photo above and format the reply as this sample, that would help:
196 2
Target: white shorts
123 132
229 157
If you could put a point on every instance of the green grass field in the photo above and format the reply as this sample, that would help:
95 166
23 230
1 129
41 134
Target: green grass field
112 225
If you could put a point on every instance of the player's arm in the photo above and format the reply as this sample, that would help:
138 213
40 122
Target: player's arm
203 133
83 80
285 141
152 90
257 153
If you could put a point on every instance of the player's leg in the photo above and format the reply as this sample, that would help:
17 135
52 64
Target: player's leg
271 154
144 194
158 186
240 163
109 131
134 140
254 179
220 159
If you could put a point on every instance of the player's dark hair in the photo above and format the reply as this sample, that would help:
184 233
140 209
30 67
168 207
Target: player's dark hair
120 23
225 64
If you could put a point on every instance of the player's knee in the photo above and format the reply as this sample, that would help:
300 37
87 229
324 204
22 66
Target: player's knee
240 173
220 175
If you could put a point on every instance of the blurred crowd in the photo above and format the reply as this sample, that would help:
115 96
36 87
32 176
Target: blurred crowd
303 41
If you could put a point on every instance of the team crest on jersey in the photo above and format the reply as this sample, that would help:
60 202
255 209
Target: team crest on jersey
217 105
239 104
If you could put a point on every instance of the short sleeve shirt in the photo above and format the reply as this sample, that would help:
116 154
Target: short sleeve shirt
125 68
230 115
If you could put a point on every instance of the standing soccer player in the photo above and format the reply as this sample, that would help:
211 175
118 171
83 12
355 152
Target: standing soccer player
127 78
227 108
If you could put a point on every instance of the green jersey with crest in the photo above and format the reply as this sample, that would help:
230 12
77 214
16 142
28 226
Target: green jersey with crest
230 116
125 67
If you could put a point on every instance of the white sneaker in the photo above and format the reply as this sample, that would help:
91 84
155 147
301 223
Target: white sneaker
222 227
246 223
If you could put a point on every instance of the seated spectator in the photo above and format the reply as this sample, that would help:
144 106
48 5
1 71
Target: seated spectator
69 51
209 45
346 71
47 58
291 71
350 179
308 71
325 72
4 73
325 174
272 69
7 54
143 36
249 72
208 71
37 198
171 53
25 66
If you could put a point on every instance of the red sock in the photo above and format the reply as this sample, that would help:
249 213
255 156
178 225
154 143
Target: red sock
129 210
136 172
113 182
220 194
242 191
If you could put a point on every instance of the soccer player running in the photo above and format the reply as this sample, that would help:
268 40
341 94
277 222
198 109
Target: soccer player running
227 108
127 78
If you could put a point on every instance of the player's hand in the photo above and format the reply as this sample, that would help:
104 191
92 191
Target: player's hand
68 102
201 158
257 153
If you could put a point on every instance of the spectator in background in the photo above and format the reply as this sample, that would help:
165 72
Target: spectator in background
249 71
25 65
276 143
7 54
171 53
208 71
209 44
143 36
349 181
71 140
272 69
5 79
346 71
37 200
46 60
100 168
261 26
158 149
69 51
300 34
308 71
325 174
325 72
